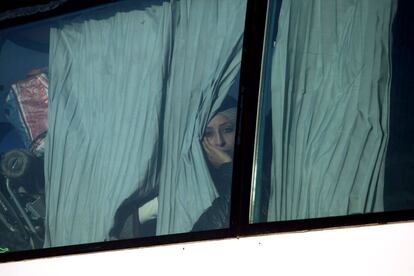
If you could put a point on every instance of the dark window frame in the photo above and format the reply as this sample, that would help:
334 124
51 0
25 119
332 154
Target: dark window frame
250 81
377 218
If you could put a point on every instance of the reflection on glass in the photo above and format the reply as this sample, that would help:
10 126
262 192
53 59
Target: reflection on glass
331 108
118 122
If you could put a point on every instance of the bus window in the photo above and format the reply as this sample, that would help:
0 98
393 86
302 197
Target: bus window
124 122
335 128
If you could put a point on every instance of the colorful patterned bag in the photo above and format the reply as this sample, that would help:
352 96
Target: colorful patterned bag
26 109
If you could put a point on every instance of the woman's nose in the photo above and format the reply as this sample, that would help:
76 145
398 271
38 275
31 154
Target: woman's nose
218 140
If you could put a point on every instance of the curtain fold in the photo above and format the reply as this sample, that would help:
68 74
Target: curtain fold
130 96
205 60
330 86
106 83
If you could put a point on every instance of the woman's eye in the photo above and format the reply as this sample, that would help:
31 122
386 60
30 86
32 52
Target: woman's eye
228 129
208 134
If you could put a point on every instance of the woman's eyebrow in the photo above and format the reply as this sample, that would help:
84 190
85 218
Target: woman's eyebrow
226 124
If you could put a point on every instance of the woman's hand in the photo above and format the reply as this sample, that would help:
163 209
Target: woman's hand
216 156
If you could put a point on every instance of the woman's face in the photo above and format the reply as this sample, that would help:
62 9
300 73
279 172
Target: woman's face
220 133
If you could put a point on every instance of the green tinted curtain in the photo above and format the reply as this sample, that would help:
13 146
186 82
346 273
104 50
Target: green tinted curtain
206 58
130 96
330 85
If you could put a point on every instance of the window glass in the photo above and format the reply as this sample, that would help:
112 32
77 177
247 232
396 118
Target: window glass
335 121
118 122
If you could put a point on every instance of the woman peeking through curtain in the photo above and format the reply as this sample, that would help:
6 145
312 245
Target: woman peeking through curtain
136 217
127 117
